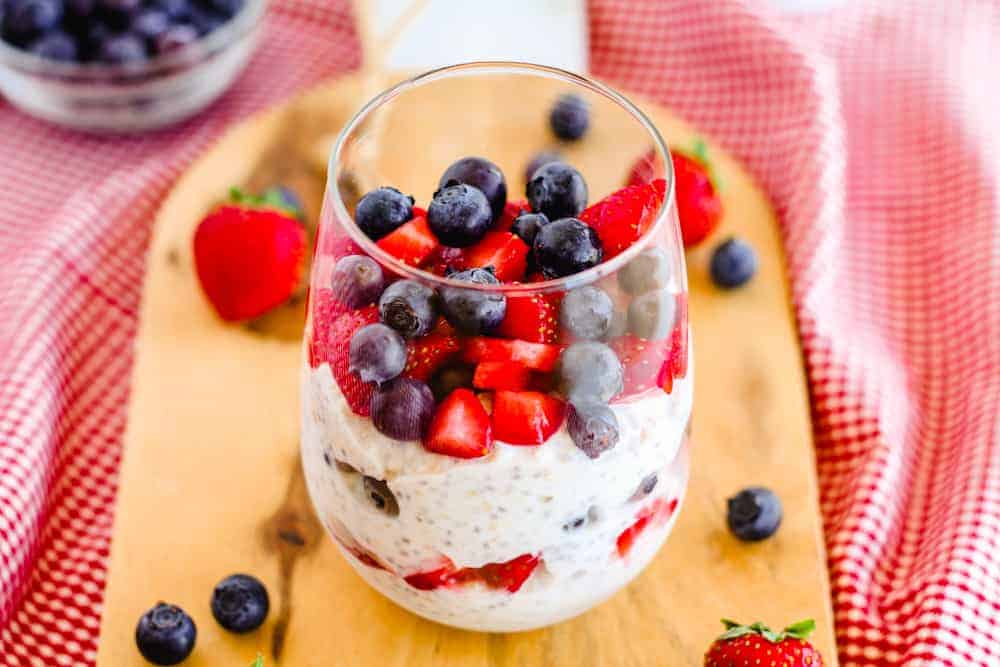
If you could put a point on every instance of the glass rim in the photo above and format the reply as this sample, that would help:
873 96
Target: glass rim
563 283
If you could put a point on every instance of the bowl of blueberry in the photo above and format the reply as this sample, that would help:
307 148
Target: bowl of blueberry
122 65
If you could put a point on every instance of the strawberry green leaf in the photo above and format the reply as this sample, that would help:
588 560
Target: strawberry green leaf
270 199
259 662
801 630
699 151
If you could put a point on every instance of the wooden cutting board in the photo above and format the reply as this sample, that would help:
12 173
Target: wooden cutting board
211 482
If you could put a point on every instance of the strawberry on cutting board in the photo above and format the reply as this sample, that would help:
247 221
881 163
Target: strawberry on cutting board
757 646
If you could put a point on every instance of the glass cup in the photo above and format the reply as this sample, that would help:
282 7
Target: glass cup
581 477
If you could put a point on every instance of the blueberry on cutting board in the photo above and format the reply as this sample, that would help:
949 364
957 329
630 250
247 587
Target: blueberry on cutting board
754 514
165 635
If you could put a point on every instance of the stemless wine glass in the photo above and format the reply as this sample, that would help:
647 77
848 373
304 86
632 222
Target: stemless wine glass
516 476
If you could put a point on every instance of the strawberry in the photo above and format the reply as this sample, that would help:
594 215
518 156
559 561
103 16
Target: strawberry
679 340
418 213
526 417
428 581
756 646
506 253
444 260
510 575
248 260
532 318
460 427
536 356
501 375
413 242
511 210
658 511
646 169
332 329
425 355
646 364
698 205
623 216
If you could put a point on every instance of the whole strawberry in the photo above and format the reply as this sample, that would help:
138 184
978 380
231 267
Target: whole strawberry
249 257
757 646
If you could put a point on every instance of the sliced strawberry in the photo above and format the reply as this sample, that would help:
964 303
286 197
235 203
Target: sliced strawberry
444 260
501 375
460 427
646 169
428 581
679 340
532 318
412 242
536 356
425 355
622 217
699 208
505 252
332 330
659 511
418 213
511 210
338 246
510 575
646 364
526 417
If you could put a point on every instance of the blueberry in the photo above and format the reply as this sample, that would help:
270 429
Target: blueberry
150 23
593 428
382 210
380 495
123 50
733 263
482 174
527 225
205 20
539 160
165 635
754 514
227 8
408 307
240 603
473 312
565 247
570 117
557 190
95 34
652 316
119 13
587 312
589 373
55 45
176 38
459 215
377 353
450 378
648 271
402 409
646 486
80 8
357 281
31 17
575 523
175 9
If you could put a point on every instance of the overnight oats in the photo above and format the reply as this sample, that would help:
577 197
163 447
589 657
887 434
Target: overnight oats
496 383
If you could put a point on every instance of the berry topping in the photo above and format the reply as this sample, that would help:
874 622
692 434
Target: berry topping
586 313
757 646
459 215
531 318
570 117
538 161
240 603
557 190
483 175
646 364
412 242
526 226
408 307
332 331
248 260
653 315
593 428
754 514
176 38
445 260
509 576
450 378
427 354
473 311
699 208
511 210
622 217
377 353
403 408
150 23
357 281
536 356
502 375
505 253
165 635
55 45
565 247
29 17
656 512
733 263
382 211
646 169
648 271
646 486
461 427
589 372
123 49
381 496
526 417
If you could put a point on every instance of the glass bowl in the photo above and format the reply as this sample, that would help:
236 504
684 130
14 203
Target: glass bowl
479 487
132 97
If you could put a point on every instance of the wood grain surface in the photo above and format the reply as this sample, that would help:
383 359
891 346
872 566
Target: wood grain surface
211 482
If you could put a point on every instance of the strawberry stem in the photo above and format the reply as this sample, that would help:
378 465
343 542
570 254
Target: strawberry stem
800 630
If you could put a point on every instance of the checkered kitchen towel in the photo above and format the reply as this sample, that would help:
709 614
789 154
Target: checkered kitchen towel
875 129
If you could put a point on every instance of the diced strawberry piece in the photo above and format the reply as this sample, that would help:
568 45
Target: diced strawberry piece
505 252
460 427
332 330
510 575
428 581
526 417
511 210
501 375
338 246
679 340
622 217
532 318
425 355
536 356
445 259
418 213
659 511
646 364
646 169
412 243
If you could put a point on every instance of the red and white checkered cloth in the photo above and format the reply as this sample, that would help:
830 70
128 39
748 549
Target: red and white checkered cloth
875 129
